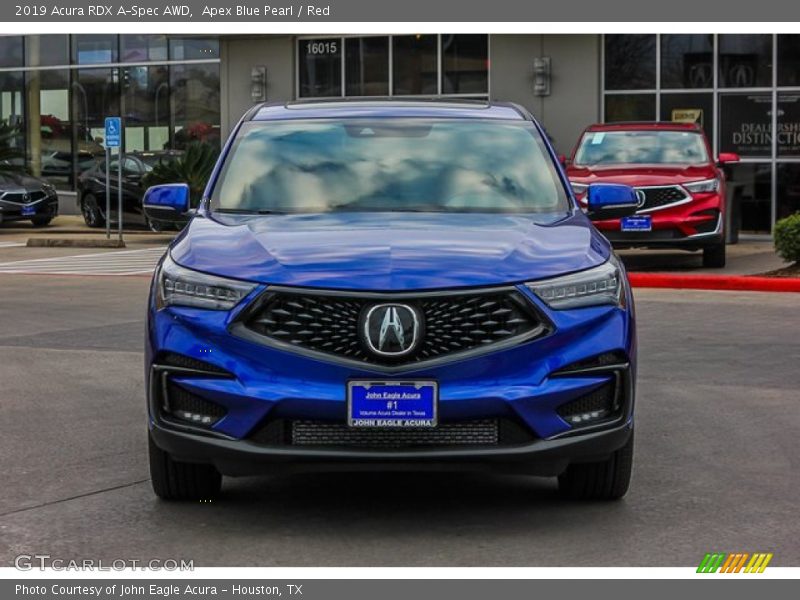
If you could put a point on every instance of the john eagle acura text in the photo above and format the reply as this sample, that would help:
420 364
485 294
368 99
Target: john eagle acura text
390 285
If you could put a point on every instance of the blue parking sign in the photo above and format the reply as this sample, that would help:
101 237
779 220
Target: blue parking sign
113 132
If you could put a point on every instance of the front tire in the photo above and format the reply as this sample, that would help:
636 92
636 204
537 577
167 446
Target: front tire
714 256
92 215
174 480
604 480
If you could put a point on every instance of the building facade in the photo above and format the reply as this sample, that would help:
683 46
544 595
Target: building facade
55 90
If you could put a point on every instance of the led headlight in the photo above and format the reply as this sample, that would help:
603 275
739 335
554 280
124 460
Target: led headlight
180 286
593 287
578 188
707 185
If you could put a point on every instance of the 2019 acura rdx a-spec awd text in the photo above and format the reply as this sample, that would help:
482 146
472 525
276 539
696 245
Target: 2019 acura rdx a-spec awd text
390 285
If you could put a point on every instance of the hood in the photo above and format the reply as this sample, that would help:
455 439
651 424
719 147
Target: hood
390 251
639 175
19 182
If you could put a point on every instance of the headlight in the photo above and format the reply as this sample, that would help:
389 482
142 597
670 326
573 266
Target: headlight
180 286
578 188
707 185
593 287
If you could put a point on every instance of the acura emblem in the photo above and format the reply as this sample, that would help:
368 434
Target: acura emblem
391 329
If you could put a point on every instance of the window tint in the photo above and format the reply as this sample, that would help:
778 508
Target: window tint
389 165
641 147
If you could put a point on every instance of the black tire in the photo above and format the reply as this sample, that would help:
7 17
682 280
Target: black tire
605 480
92 215
181 481
41 221
714 256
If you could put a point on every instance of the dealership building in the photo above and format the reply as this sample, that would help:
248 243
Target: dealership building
56 90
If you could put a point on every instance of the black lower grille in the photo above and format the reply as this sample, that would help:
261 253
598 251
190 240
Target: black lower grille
181 361
656 197
600 404
479 432
453 323
182 404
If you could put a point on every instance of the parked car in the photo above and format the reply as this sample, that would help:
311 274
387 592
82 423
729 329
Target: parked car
681 189
92 188
390 284
27 198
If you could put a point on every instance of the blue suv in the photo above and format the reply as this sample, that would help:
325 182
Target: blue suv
390 285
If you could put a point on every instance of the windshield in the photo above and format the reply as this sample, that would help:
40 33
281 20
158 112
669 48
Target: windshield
394 164
641 147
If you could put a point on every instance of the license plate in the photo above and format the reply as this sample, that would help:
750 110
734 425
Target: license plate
404 404
28 211
637 223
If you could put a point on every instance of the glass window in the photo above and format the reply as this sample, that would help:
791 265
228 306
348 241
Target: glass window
195 104
145 104
745 60
689 108
788 201
10 50
414 65
367 66
143 48
465 64
630 107
751 185
365 165
745 126
789 125
95 95
50 130
46 50
320 64
630 62
643 147
789 59
687 61
12 111
94 49
193 48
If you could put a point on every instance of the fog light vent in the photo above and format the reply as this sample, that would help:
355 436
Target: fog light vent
598 405
188 407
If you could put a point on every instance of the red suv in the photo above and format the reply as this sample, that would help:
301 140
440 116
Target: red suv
681 189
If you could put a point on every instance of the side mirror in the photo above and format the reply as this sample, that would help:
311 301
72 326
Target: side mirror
166 202
611 201
727 157
563 160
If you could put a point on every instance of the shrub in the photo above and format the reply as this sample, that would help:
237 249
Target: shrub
193 168
787 238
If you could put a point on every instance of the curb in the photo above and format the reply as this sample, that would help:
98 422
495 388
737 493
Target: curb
739 283
74 243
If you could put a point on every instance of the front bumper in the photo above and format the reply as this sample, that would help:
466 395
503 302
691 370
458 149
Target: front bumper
690 225
14 211
527 383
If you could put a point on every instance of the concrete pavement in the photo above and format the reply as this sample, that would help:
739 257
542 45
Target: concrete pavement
716 457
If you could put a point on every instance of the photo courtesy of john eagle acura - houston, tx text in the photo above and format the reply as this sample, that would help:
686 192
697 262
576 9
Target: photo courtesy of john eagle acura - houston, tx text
390 285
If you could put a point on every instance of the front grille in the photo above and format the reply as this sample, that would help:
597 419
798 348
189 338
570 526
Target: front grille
658 197
453 323
479 432
23 197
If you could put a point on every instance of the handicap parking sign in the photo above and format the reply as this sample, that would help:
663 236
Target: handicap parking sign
113 132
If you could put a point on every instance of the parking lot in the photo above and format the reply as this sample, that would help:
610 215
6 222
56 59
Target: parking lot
716 463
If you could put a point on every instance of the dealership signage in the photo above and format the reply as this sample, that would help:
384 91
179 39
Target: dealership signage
746 124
